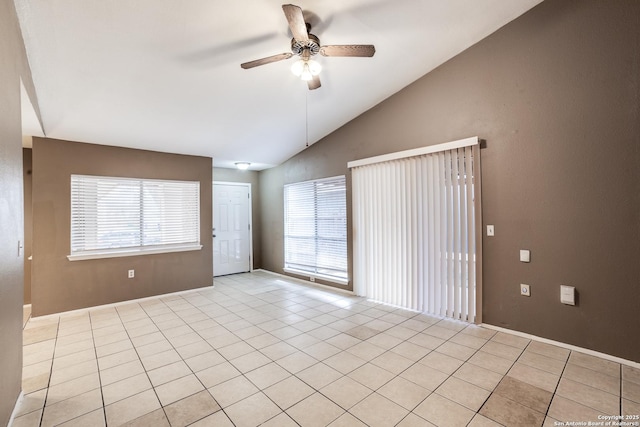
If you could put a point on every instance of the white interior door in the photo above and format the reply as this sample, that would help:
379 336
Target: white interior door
231 228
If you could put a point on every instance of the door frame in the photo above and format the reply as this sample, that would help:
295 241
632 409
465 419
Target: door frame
250 207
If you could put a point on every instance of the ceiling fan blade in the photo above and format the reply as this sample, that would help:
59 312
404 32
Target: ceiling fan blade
314 83
361 50
267 60
296 22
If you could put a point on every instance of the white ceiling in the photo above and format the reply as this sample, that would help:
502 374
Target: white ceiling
165 75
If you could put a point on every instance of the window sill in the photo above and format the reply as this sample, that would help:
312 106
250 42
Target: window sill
336 280
115 253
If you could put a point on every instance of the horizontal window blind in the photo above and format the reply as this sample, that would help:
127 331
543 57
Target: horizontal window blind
117 213
416 243
316 227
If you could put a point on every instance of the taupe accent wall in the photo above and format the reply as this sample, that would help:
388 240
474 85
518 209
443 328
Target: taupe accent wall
13 67
59 284
249 177
556 95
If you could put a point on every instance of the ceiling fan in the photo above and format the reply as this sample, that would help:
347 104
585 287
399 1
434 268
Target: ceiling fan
305 45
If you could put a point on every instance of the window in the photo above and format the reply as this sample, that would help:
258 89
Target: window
315 223
113 217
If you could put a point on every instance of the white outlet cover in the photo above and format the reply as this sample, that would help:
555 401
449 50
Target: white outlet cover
525 290
525 255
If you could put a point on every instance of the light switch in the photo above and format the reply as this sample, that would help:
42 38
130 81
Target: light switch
490 230
525 255
568 295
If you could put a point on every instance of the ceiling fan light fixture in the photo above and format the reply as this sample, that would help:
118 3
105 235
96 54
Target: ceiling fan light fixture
243 166
306 70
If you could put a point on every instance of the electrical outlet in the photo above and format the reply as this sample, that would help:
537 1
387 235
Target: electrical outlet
132 274
312 279
525 290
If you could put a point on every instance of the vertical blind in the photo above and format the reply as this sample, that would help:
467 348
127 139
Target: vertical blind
315 228
119 213
415 232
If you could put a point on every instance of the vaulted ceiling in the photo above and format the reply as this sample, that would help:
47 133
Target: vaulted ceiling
165 75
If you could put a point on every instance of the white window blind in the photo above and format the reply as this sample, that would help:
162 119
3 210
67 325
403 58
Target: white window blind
315 223
416 231
125 216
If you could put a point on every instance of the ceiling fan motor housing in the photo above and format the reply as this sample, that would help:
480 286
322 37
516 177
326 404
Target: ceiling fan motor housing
313 45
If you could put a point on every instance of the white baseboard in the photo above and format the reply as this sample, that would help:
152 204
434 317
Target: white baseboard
306 282
564 345
15 408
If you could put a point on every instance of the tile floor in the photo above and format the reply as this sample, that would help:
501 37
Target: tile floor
258 349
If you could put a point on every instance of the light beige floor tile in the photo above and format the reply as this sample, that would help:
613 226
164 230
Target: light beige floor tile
252 411
178 389
156 418
204 360
346 392
296 362
549 350
250 361
443 412
502 350
401 332
61 375
31 402
440 332
595 363
510 413
371 376
424 376
74 348
524 394
302 341
235 350
343 341
482 421
376 410
217 374
479 332
392 362
476 375
322 350
232 391
39 333
410 351
194 349
131 408
157 360
112 348
168 373
71 408
511 340
441 362
592 397
103 340
32 419
288 392
37 369
31 384
631 374
403 392
592 378
267 375
630 408
143 340
278 350
125 388
491 362
280 420
191 409
468 341
631 391
72 388
154 348
186 339
542 362
384 340
218 419
93 419
121 372
366 351
262 340
533 376
565 409
315 411
38 352
464 393
318 375
412 420
117 359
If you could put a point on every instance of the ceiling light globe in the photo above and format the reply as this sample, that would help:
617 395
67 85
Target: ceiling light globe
297 68
314 67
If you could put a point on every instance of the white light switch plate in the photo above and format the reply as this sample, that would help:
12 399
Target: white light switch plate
490 230
568 295
525 255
